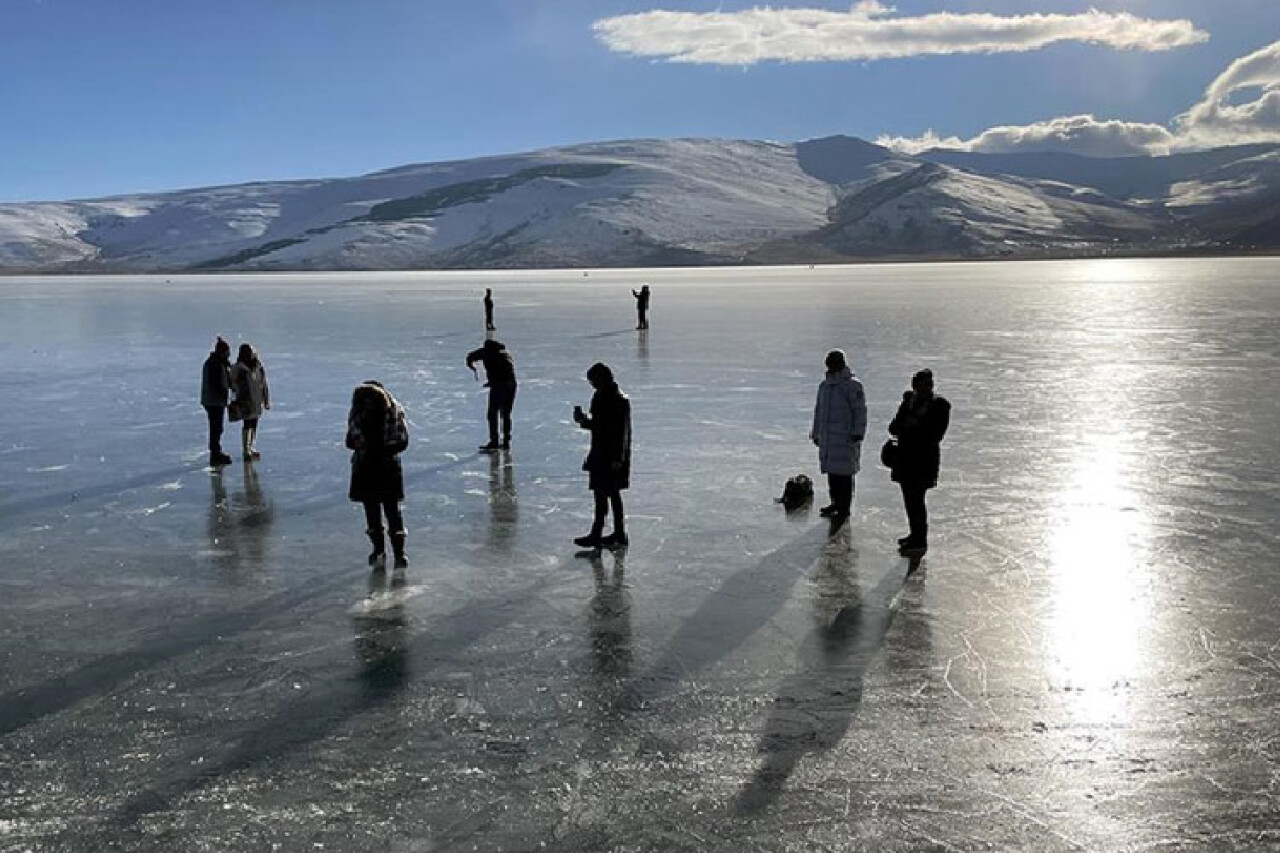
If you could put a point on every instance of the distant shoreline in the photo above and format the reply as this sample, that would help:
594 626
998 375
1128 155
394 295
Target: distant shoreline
1191 252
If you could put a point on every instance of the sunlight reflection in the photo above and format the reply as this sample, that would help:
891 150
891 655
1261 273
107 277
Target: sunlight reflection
1100 605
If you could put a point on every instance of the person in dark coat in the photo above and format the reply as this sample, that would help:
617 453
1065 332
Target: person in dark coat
642 307
215 388
488 310
608 463
919 426
839 424
377 432
500 376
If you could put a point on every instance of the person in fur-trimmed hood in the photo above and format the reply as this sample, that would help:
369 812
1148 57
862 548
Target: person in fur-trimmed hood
378 432
839 424
253 394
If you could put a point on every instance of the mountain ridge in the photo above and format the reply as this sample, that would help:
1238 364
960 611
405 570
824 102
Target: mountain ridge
669 202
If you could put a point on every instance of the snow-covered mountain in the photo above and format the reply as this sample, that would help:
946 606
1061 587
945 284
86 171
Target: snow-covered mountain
665 202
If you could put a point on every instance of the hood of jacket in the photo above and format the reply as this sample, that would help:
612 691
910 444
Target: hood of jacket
841 376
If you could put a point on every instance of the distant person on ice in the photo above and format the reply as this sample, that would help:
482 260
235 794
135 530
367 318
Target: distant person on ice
642 306
839 424
249 381
500 376
919 425
488 310
608 462
215 387
377 432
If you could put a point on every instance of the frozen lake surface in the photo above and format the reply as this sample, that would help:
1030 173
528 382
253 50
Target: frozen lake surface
1087 659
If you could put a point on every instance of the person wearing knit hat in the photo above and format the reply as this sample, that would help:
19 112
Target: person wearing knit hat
215 388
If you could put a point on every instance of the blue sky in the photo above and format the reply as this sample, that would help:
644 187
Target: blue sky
113 96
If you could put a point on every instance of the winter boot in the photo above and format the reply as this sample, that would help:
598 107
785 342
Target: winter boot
378 559
397 546
592 539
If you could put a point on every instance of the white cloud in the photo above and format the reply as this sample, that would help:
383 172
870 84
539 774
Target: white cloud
870 31
917 144
1215 120
1081 134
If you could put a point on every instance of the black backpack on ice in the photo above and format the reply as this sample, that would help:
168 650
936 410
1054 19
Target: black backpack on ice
796 493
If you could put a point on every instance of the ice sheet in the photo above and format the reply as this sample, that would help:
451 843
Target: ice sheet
1086 658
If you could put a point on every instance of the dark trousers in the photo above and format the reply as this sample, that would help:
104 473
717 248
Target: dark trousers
215 428
501 399
373 511
841 488
605 500
917 514
488 319
641 321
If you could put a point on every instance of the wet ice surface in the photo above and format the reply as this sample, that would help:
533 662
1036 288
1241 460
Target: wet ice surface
1086 659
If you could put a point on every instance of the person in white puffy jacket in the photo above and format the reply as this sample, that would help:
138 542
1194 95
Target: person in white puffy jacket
839 424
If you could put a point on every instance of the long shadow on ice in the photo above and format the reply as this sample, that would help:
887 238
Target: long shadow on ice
26 705
385 651
57 499
338 496
814 707
611 334
741 606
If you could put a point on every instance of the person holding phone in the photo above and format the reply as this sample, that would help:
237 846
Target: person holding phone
608 462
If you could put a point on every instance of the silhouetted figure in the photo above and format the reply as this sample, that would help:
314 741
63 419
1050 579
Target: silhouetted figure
839 424
215 387
500 376
609 461
378 432
488 310
919 425
642 307
249 382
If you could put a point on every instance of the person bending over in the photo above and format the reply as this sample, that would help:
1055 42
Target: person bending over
377 433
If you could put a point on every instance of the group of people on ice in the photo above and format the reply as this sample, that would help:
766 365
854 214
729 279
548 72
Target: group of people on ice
378 432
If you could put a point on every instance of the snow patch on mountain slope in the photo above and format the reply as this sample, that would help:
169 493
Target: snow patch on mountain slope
1238 182
709 197
940 210
638 202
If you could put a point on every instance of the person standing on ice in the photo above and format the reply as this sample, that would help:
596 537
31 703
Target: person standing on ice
377 433
608 462
215 387
249 381
488 310
839 424
919 426
500 376
642 306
